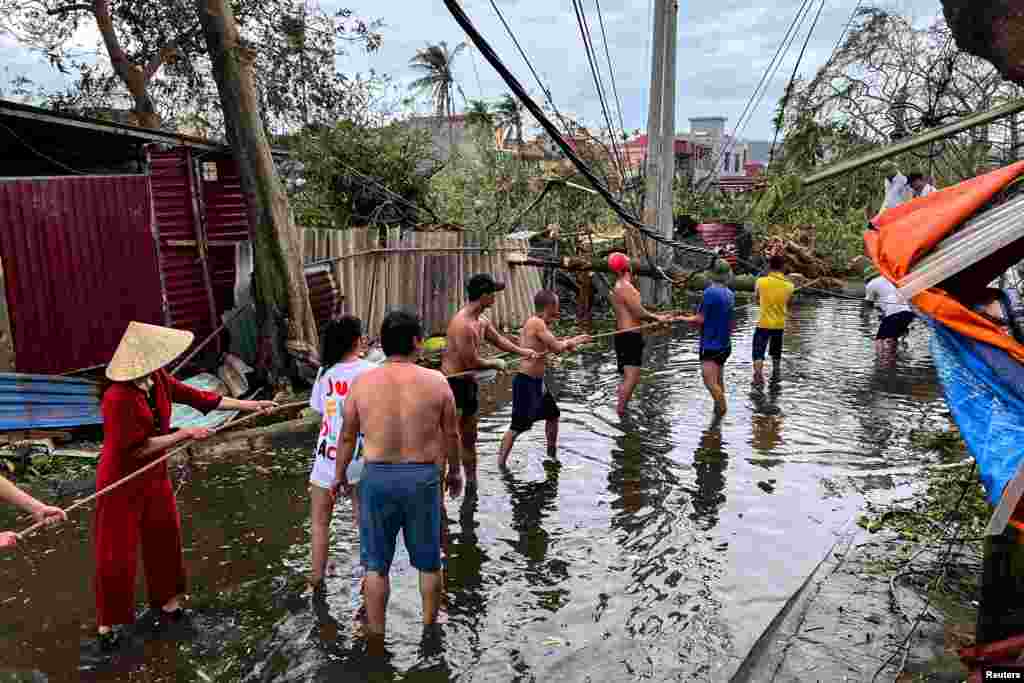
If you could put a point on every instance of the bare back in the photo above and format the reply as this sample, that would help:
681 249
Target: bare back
462 352
625 300
531 337
405 413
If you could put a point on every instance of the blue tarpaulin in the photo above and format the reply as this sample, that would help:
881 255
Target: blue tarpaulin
183 416
47 402
984 389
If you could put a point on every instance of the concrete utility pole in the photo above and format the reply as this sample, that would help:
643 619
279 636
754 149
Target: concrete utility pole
660 170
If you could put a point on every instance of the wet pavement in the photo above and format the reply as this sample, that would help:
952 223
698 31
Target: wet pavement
657 547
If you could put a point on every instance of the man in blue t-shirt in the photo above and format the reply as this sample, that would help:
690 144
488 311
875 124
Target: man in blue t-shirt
715 317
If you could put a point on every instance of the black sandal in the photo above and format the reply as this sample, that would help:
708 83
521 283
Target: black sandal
110 641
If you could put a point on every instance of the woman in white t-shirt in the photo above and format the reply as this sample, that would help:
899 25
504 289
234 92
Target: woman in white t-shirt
342 364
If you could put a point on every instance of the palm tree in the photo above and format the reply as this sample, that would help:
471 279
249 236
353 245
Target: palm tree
435 62
509 115
478 113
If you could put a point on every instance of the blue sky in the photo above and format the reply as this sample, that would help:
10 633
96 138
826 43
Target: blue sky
724 47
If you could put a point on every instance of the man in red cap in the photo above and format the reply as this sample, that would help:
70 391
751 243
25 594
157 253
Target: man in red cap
629 313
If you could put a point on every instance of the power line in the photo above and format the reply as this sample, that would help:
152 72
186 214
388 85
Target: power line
765 77
792 79
492 57
771 76
595 71
611 71
476 73
846 29
540 84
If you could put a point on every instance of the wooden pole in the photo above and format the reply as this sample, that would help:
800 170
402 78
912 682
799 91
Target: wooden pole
914 142
575 266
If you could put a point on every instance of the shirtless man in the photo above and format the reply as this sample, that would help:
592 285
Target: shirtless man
465 332
531 400
629 312
406 415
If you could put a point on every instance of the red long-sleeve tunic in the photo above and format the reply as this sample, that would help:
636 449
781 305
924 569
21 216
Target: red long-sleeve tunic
143 509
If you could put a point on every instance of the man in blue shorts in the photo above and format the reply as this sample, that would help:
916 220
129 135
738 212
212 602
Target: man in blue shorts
715 317
531 399
406 415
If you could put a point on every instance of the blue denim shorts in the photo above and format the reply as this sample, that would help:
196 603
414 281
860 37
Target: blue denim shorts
400 496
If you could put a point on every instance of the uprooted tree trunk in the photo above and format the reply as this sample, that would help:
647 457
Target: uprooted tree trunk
279 282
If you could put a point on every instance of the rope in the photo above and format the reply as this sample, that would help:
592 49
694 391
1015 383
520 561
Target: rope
174 451
637 328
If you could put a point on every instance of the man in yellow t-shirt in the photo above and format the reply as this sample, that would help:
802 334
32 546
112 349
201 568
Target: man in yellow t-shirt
773 294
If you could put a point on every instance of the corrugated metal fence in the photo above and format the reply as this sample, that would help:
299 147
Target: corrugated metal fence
79 264
425 272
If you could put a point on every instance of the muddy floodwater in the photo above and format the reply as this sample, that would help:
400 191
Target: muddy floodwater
656 547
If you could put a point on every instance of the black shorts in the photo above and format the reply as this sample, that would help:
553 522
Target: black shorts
531 401
719 356
629 350
895 326
770 340
467 401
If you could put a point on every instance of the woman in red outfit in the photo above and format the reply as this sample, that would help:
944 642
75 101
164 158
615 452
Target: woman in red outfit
136 429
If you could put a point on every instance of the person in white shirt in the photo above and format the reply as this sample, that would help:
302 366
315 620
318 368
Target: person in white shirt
897 191
342 346
896 314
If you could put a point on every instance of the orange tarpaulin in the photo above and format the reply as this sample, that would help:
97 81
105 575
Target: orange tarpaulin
908 232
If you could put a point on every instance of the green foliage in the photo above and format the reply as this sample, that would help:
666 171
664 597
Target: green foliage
345 166
488 189
295 69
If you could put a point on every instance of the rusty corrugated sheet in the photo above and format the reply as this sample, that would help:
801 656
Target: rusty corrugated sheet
227 223
183 273
323 295
79 265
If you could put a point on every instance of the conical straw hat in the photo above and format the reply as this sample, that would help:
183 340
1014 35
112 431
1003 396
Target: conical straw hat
145 349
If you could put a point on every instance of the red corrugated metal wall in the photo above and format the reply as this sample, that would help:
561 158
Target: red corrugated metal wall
175 207
79 265
227 223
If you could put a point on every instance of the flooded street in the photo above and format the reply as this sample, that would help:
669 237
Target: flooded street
656 548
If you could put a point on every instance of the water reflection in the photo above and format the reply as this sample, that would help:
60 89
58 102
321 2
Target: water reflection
533 502
645 551
710 462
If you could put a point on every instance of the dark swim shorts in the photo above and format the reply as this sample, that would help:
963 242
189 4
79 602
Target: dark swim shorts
629 350
466 392
767 340
404 496
895 326
531 401
719 356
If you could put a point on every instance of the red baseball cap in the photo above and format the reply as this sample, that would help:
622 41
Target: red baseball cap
618 262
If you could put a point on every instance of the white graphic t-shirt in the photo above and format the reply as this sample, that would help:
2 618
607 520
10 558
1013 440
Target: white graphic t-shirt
328 399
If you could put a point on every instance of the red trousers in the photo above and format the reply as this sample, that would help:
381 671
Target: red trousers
141 510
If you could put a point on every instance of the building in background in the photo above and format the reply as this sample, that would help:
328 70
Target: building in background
446 133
